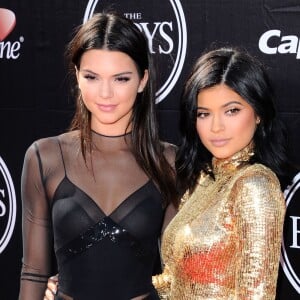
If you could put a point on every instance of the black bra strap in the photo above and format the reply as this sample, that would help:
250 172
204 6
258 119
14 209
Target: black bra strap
62 157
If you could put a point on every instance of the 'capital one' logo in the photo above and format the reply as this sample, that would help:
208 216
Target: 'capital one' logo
273 42
8 49
290 255
8 207
165 28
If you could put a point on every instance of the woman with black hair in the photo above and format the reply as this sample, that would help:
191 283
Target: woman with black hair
224 243
98 193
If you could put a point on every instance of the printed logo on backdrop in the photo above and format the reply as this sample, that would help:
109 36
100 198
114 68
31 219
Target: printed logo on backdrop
8 207
273 42
8 49
165 27
290 255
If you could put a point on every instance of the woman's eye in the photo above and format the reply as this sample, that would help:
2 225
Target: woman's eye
122 79
232 111
202 114
89 77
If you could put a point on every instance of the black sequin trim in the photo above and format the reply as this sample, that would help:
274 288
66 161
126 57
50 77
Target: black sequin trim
106 228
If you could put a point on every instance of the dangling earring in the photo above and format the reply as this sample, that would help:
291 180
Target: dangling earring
257 120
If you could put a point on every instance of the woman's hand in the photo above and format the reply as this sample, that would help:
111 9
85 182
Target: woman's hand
51 288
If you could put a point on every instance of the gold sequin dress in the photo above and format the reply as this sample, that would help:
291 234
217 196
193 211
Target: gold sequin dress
224 243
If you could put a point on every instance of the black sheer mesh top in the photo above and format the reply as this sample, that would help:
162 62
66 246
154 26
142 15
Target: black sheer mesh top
102 217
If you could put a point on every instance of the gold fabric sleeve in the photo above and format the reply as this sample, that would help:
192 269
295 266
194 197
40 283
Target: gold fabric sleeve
259 211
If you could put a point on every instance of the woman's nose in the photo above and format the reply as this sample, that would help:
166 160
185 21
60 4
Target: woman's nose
217 124
105 89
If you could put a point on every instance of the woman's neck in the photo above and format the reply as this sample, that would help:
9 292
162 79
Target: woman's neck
104 142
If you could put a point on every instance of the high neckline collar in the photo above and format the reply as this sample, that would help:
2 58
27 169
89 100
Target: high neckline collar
221 166
110 136
111 143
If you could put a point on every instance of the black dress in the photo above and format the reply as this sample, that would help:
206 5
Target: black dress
102 216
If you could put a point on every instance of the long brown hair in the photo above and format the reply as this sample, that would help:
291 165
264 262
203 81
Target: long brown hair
113 32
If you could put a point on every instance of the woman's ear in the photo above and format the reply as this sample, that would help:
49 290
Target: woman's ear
143 81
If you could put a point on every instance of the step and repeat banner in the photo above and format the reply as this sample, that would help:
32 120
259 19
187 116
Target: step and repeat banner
35 100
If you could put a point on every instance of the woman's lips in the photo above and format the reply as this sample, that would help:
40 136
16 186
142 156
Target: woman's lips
106 107
219 142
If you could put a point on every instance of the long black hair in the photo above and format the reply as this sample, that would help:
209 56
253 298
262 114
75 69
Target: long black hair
113 32
245 75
